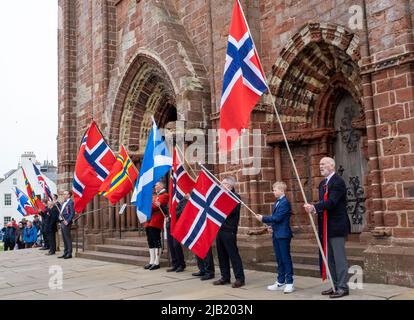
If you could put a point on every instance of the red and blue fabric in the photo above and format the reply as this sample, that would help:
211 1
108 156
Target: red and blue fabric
93 164
43 183
243 82
208 207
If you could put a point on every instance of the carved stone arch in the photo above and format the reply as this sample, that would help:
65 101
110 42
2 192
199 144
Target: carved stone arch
144 91
318 58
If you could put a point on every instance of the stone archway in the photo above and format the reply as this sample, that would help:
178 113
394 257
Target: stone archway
315 68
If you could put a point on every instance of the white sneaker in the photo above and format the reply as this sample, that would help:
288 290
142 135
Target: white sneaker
289 288
276 286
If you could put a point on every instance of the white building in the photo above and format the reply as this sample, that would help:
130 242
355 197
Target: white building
14 178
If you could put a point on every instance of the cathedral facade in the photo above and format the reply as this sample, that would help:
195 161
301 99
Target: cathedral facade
341 73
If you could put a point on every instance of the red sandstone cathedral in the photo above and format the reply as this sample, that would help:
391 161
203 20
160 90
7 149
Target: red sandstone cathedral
341 73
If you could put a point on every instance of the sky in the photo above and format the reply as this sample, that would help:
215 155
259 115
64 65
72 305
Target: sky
28 81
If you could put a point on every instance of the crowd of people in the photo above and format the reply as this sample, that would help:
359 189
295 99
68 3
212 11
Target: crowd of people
41 232
332 218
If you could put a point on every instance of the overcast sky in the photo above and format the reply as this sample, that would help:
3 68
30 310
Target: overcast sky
28 80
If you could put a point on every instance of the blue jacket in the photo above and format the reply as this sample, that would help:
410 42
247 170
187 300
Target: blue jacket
10 235
280 219
30 234
68 211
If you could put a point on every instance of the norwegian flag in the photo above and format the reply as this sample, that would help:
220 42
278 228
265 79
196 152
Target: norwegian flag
43 183
243 82
181 183
93 164
208 207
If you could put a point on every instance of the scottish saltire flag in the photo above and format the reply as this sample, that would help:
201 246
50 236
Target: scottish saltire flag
243 81
208 207
156 163
121 178
34 200
23 203
95 160
43 183
181 183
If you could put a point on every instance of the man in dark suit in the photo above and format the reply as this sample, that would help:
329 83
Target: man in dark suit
226 242
282 235
331 211
51 227
67 214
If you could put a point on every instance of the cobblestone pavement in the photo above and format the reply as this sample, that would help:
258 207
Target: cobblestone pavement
26 274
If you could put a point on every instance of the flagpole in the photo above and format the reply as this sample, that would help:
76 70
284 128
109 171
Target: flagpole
185 161
293 161
231 192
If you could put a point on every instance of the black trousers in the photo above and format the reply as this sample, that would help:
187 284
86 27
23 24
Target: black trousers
227 252
67 239
51 236
45 239
9 245
176 251
153 237
206 265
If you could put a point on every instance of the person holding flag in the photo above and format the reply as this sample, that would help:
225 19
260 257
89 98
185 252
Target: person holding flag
181 185
155 165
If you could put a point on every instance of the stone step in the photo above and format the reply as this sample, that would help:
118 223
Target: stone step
351 248
118 258
129 242
299 269
127 250
313 259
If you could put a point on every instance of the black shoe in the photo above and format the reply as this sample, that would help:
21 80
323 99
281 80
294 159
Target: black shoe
180 269
207 276
198 274
221 282
147 266
238 284
61 256
154 267
339 294
44 248
68 257
172 269
327 292
50 254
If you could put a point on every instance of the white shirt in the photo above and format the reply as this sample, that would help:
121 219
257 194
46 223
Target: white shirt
329 177
64 205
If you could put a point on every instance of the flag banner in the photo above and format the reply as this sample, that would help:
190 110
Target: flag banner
34 200
208 207
243 81
181 183
94 161
23 203
121 178
155 165
43 183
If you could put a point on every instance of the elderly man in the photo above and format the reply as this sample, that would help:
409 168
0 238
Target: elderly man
226 243
334 226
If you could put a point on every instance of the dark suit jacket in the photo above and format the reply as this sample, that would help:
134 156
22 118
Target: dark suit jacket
69 211
338 221
53 220
280 219
231 223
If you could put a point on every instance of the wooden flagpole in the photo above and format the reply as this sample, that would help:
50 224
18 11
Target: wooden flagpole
293 163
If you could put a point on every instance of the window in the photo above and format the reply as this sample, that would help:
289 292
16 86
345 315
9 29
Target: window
14 181
6 220
7 199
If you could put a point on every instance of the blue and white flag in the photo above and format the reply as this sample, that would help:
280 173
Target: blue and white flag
156 163
23 203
